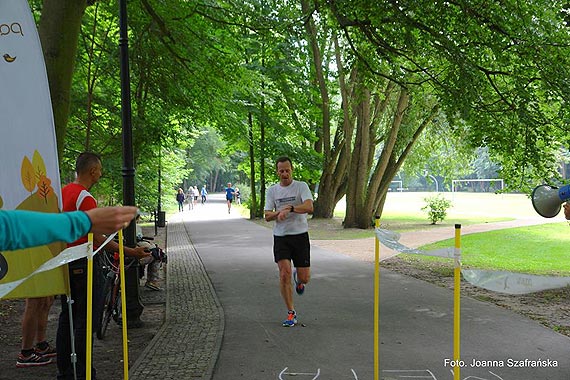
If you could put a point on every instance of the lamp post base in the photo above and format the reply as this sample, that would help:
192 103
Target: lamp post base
135 306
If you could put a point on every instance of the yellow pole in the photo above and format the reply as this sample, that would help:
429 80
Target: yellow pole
89 331
123 307
457 303
376 302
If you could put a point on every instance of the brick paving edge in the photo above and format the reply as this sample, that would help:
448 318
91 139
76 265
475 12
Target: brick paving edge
148 351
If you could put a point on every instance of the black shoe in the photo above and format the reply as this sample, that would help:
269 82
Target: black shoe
33 360
48 351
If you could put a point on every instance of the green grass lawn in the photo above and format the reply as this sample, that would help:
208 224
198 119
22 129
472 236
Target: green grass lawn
332 229
402 222
542 249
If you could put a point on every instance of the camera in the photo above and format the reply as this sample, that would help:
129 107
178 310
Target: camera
159 255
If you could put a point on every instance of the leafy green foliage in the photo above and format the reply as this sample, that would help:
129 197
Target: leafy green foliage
213 83
169 45
436 208
497 69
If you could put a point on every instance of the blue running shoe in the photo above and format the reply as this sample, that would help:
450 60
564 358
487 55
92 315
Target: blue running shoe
299 288
291 320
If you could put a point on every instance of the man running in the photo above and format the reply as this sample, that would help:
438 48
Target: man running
288 203
230 196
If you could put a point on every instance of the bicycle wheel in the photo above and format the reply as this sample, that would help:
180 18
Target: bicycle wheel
106 309
115 308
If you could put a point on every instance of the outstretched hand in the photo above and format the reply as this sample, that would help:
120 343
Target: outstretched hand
107 220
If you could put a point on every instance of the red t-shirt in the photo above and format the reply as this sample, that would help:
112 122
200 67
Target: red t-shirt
77 197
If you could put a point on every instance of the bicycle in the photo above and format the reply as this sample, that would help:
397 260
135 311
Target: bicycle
111 295
110 307
111 300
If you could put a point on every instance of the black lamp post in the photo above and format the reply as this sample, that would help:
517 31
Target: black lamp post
160 176
161 215
134 304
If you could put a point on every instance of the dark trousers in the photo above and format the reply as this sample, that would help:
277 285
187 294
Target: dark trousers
78 284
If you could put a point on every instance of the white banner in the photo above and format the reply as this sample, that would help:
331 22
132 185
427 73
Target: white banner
513 283
496 281
29 171
391 239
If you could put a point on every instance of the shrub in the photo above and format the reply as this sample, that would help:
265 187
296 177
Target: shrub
436 208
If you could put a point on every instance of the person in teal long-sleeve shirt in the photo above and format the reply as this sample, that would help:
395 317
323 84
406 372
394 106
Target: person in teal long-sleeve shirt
23 229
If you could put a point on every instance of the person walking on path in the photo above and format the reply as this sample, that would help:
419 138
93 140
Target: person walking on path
204 192
230 196
288 203
76 196
180 199
237 196
195 194
189 198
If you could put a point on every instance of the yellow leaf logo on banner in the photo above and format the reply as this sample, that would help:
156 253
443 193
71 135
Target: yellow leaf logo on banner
44 188
28 176
23 262
39 165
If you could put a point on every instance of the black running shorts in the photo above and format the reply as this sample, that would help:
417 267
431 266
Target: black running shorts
293 247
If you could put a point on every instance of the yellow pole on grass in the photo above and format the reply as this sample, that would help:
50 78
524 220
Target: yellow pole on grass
89 332
376 301
457 303
123 307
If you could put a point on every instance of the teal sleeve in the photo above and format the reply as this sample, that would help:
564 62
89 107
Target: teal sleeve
23 229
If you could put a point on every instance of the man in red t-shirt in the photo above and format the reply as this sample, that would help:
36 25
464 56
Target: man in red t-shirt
76 196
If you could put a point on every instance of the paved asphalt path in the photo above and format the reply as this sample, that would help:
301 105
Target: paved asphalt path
336 342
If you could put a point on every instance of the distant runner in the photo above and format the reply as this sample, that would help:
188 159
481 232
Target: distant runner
230 196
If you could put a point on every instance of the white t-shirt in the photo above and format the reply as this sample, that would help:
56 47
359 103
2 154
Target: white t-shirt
295 194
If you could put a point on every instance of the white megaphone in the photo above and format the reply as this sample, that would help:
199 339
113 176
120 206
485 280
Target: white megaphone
547 200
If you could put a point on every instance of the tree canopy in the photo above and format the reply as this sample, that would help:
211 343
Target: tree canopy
350 89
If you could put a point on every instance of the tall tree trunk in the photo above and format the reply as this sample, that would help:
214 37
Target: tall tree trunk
262 153
59 28
214 180
332 185
360 211
251 167
359 168
388 150
311 31
91 80
396 162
